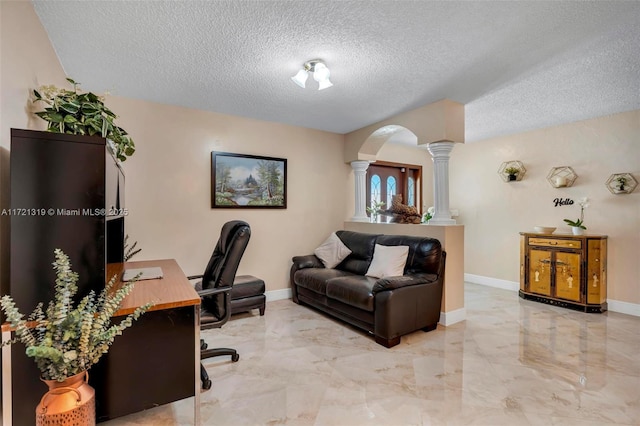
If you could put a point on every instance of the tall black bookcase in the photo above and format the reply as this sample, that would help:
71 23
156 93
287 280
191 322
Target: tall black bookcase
66 192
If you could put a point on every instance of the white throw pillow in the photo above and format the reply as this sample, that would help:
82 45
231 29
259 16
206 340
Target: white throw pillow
388 261
332 251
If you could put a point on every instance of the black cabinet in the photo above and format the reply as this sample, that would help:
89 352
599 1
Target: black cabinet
66 192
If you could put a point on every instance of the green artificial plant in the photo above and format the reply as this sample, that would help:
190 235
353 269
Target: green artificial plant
65 340
579 223
511 171
73 112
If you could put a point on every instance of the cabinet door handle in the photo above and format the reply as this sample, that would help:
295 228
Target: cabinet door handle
553 243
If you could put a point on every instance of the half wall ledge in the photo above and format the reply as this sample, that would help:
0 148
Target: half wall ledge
452 239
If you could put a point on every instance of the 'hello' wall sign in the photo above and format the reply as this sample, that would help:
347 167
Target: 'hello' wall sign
562 202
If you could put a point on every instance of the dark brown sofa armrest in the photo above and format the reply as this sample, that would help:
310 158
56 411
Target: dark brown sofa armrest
393 283
308 261
302 262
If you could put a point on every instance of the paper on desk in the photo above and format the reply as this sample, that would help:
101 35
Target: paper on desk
146 273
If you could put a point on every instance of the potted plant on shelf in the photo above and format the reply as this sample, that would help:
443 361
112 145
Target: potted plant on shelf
66 340
622 181
73 112
577 226
512 173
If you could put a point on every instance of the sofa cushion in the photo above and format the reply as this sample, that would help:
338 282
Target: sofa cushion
315 279
361 246
332 251
424 253
354 290
388 261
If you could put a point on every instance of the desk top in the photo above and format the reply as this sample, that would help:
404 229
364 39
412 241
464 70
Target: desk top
171 291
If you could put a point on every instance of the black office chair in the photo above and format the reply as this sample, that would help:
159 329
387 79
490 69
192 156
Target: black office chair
215 287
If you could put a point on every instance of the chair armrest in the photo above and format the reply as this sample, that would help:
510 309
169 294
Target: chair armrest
392 283
308 261
211 291
194 277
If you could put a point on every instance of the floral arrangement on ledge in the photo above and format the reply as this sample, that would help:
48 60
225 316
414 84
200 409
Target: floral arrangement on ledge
429 214
375 209
73 112
67 340
579 223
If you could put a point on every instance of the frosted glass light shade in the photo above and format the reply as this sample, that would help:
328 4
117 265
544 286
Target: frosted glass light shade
300 78
321 74
324 84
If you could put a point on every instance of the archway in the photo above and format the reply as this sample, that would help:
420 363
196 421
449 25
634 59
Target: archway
437 126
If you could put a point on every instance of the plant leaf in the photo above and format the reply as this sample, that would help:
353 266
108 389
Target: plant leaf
89 108
70 107
55 117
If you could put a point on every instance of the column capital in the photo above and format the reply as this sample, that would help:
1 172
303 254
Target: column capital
360 165
440 149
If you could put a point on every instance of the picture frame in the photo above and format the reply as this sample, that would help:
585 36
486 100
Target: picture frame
241 181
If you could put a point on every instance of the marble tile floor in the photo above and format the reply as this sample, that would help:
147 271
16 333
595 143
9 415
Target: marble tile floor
512 362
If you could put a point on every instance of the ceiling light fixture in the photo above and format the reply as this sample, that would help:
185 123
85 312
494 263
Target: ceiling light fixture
320 72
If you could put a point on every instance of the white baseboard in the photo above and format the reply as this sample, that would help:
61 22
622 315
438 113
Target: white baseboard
272 295
452 317
613 305
492 282
624 307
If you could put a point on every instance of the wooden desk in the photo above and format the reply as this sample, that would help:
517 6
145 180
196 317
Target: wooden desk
154 362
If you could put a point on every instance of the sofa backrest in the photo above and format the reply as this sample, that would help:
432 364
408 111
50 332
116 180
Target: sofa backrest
424 253
361 246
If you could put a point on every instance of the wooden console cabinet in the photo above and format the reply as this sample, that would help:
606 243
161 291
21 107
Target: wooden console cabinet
564 270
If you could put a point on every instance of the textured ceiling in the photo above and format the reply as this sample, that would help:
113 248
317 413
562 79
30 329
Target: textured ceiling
516 66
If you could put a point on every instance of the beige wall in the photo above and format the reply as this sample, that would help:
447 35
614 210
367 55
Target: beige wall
494 212
27 61
168 184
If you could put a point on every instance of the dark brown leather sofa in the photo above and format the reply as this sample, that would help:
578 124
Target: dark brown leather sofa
387 307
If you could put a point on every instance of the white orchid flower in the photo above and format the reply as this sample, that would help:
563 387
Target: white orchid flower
584 202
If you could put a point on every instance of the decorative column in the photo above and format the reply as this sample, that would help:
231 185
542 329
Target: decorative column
440 152
360 172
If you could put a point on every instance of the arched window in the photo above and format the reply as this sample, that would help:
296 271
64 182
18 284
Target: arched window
411 197
391 189
375 189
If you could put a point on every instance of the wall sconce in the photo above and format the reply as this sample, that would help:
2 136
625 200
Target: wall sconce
621 183
511 171
320 74
560 177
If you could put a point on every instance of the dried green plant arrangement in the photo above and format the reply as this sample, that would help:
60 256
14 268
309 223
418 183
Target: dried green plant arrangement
129 252
67 340
73 112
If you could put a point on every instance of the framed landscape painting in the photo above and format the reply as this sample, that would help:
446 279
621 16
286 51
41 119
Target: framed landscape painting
248 181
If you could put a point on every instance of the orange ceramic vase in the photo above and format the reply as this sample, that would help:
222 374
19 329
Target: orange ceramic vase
70 402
